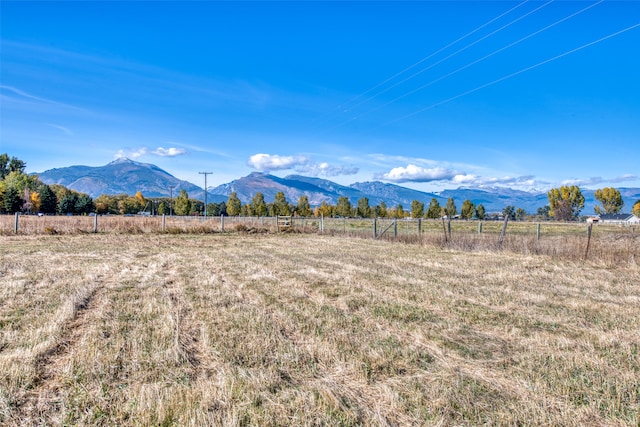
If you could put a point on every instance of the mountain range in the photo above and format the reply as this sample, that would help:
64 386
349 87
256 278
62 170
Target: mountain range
124 176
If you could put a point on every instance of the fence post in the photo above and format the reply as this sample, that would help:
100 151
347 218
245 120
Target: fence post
538 231
375 228
95 223
344 225
504 230
321 223
586 251
449 227
480 227
395 228
419 226
163 223
277 224
221 223
15 228
444 229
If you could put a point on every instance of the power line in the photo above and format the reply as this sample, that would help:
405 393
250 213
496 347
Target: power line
424 86
501 79
431 55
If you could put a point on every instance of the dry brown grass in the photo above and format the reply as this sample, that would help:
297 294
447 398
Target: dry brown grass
264 329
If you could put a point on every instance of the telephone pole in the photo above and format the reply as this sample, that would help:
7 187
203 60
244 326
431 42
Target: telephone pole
205 190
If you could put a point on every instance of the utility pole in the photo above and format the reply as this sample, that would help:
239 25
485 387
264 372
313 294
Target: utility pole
205 190
171 187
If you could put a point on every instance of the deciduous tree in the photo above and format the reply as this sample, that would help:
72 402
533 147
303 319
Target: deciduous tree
611 200
417 209
480 211
636 209
343 207
258 205
467 210
565 203
280 204
303 208
182 204
234 205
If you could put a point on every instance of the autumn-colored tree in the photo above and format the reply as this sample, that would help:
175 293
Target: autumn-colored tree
565 203
520 214
398 211
234 205
480 211
303 208
417 209
324 209
467 210
435 210
636 209
611 200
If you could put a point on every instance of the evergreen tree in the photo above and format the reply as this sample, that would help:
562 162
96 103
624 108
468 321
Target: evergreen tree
343 207
480 211
450 209
12 200
303 207
363 210
48 200
435 210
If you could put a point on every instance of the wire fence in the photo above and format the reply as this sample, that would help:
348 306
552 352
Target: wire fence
612 244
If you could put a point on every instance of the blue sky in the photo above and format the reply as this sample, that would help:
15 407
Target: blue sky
429 95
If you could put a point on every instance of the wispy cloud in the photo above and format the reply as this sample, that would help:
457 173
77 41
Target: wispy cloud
599 180
143 151
301 164
169 152
25 96
61 128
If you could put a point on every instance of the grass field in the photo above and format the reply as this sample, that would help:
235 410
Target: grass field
304 329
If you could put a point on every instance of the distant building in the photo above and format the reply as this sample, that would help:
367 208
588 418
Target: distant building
621 219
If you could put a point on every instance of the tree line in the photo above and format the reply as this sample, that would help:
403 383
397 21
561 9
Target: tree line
20 192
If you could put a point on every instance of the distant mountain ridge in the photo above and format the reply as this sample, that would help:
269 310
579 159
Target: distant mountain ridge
124 176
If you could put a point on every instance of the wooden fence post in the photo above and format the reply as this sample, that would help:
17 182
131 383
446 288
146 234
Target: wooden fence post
95 223
15 228
419 226
375 228
395 228
480 227
221 223
504 230
164 223
538 231
586 251
322 223
444 229
449 227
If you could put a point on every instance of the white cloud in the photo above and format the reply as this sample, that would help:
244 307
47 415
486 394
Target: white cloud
599 180
130 153
414 173
270 162
169 152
